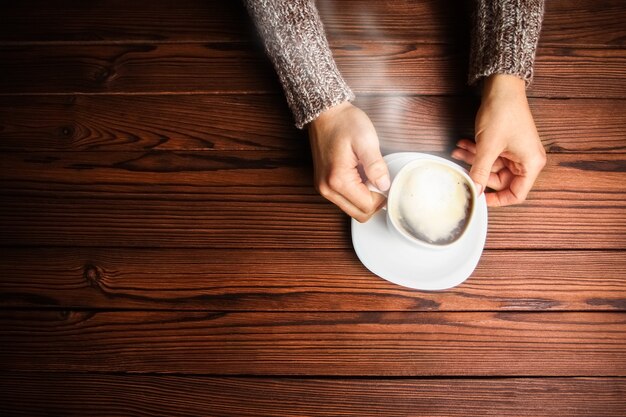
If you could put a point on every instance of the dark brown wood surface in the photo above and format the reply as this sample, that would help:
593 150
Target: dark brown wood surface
207 122
164 252
265 199
241 68
141 395
567 22
327 279
366 343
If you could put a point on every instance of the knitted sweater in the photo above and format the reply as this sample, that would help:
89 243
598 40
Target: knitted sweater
504 40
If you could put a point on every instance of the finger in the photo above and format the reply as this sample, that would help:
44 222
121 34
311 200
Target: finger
375 168
500 198
377 202
515 193
469 157
346 189
467 144
501 179
344 204
483 163
324 187
462 155
365 201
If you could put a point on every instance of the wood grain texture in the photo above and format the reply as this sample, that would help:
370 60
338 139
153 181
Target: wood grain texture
216 67
577 22
308 343
133 68
123 21
263 122
408 68
567 71
566 22
248 280
158 217
127 123
45 394
266 200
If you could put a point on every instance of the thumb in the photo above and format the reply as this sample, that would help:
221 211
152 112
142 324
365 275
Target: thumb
375 167
483 162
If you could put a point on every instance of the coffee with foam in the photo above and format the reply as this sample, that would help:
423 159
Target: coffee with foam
433 203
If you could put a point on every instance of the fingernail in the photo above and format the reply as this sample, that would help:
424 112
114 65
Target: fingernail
383 183
479 189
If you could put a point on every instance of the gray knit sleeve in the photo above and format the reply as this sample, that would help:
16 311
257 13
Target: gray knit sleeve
295 42
504 38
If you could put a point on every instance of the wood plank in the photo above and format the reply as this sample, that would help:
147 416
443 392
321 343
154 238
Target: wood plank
116 68
566 22
45 394
263 122
131 123
263 200
317 343
246 280
119 20
215 67
266 200
226 221
584 22
191 173
564 66
408 68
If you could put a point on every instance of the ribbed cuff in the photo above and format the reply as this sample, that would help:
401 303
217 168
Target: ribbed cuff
504 38
294 39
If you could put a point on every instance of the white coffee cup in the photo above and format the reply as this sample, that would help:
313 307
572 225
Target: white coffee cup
430 202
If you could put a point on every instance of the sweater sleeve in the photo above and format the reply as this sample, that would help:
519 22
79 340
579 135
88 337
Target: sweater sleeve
295 42
504 39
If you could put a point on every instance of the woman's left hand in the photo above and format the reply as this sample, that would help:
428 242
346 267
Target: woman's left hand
508 154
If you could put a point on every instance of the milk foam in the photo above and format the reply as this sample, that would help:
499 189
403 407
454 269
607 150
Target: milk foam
434 203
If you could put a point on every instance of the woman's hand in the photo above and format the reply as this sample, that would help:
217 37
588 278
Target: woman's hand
508 155
343 141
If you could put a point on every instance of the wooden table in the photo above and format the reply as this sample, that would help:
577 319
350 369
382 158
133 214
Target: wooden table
165 253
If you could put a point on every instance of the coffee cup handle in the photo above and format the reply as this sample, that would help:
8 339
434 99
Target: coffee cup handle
375 189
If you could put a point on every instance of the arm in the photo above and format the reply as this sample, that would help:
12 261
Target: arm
504 38
342 136
294 40
508 154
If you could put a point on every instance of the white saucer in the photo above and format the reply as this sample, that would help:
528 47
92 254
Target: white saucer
399 262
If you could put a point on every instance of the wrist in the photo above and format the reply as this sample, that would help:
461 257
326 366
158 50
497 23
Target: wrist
504 86
330 113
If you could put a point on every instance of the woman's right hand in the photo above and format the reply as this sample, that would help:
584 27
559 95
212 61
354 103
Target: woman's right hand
343 139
